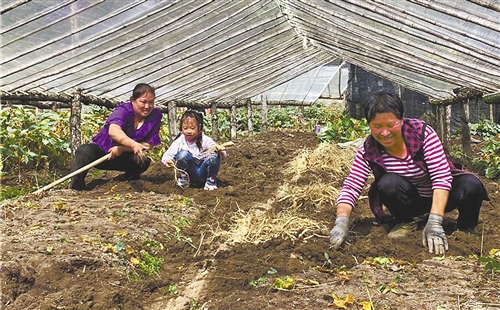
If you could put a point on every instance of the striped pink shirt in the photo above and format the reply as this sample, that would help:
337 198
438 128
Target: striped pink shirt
438 175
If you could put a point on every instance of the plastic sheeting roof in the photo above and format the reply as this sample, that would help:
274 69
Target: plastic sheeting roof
226 50
308 87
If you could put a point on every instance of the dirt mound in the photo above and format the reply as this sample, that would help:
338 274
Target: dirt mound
147 244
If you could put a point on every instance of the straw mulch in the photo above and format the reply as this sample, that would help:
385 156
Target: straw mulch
327 166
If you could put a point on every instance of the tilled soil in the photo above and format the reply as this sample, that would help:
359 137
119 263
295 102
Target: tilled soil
83 250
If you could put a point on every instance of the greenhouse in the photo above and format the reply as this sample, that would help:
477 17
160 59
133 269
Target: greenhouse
270 92
228 50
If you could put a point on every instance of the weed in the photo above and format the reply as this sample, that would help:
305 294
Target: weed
193 304
180 223
185 201
118 214
171 289
258 281
149 264
153 244
492 261
8 192
327 258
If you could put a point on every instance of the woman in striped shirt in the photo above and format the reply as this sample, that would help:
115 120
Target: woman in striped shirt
413 177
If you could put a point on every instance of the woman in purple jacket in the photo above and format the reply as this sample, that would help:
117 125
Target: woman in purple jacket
413 177
131 128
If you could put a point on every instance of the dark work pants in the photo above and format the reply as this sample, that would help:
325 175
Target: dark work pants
402 199
88 153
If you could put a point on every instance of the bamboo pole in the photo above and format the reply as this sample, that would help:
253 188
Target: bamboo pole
92 164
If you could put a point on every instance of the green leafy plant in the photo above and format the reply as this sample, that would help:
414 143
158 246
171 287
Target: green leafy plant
492 261
33 139
343 129
327 258
171 289
152 244
149 264
257 281
284 283
193 304
489 158
484 129
180 223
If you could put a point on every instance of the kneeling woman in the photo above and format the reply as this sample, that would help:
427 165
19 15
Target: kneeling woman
413 177
131 127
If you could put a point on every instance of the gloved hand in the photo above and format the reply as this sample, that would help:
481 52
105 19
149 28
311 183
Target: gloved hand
434 236
340 231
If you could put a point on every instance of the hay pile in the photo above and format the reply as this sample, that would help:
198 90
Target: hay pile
259 225
328 165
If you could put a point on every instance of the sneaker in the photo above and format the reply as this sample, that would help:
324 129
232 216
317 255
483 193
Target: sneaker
182 183
183 180
402 230
210 186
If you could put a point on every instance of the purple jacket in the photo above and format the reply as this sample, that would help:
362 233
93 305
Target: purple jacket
123 116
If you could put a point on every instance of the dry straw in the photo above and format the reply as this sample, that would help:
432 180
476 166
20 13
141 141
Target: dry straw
327 165
259 225
328 162
313 196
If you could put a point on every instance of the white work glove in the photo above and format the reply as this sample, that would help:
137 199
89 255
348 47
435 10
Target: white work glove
340 231
434 236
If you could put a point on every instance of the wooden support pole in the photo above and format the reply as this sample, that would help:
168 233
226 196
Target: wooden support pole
264 112
234 123
215 123
447 127
172 120
249 115
466 141
439 120
75 120
492 119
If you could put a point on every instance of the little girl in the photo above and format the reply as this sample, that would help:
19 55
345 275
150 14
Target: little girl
190 153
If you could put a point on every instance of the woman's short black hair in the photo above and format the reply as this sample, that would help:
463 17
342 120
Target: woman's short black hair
383 102
141 89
